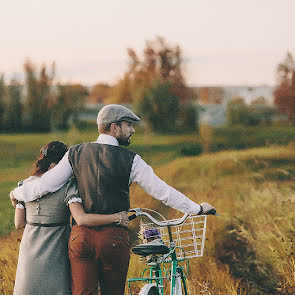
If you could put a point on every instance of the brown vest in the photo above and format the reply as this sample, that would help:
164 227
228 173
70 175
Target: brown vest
102 172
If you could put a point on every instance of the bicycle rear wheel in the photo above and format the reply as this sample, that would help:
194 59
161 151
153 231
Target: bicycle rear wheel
150 289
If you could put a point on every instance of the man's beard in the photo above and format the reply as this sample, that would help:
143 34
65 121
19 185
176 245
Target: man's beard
123 140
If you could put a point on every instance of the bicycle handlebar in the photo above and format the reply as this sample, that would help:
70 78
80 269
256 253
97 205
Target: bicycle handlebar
139 212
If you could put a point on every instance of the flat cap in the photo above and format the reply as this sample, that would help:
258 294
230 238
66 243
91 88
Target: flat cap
114 113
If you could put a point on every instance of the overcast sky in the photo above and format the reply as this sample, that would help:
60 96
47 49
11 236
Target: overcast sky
224 42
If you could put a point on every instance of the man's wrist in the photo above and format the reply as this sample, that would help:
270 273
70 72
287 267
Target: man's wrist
17 194
120 219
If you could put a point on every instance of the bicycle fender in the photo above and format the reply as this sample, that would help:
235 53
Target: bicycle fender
146 288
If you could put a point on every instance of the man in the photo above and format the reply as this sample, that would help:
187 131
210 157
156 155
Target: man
104 172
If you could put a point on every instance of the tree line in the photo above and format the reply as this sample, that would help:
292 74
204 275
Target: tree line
258 112
38 105
153 83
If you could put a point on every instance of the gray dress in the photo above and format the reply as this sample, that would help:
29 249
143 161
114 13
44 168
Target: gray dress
43 266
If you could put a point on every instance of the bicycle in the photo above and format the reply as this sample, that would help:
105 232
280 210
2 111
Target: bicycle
185 238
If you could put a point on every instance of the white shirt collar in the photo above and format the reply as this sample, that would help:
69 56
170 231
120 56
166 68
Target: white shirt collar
107 139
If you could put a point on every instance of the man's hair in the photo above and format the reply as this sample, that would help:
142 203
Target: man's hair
106 127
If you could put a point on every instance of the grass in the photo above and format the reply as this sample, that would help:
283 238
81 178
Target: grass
249 247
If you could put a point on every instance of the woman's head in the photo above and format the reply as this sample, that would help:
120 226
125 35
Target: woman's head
52 153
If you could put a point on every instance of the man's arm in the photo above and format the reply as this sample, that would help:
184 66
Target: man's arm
143 175
51 181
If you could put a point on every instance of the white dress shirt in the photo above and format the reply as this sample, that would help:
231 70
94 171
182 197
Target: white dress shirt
141 173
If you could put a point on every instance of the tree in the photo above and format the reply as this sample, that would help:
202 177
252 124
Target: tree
159 107
99 93
12 119
285 89
146 80
160 62
238 113
37 111
121 92
67 104
259 101
2 100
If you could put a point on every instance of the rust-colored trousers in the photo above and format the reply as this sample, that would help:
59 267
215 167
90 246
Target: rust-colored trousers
99 255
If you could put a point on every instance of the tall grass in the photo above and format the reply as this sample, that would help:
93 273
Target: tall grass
249 247
8 260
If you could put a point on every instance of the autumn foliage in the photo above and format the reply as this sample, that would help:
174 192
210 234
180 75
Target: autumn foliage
285 90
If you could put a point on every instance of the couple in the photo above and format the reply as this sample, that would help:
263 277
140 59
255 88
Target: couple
99 244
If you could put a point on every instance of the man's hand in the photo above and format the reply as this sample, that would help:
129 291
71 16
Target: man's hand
124 221
13 199
207 209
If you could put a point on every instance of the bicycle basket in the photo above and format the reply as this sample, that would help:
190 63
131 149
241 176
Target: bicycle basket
188 237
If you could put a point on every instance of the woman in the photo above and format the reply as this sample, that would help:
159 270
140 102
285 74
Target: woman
43 264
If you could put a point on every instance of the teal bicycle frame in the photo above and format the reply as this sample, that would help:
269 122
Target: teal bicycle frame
158 274
157 271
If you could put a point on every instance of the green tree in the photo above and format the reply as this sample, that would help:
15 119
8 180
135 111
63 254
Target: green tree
37 110
159 107
67 105
284 94
13 109
238 113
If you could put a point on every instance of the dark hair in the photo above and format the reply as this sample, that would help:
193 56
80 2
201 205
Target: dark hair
51 153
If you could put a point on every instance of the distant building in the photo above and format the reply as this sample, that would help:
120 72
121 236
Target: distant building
208 95
212 100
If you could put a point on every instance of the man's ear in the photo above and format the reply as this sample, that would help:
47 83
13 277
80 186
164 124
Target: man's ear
113 128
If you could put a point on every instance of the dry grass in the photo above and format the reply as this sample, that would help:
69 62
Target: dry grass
8 260
250 246
256 209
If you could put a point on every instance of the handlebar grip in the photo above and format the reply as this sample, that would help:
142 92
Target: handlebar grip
211 212
131 217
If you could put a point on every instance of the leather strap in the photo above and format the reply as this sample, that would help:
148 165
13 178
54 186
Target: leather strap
47 224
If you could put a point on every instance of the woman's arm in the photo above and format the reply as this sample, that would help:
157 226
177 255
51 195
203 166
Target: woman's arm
20 218
88 219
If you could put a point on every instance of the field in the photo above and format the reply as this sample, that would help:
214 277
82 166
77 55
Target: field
249 247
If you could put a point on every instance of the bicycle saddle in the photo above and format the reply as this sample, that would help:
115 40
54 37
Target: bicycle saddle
154 247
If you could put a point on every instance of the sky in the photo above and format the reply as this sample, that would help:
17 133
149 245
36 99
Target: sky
223 42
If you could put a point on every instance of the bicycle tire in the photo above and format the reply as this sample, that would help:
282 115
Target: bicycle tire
149 289
178 286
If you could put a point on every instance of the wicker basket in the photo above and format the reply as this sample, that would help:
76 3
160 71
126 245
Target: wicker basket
188 237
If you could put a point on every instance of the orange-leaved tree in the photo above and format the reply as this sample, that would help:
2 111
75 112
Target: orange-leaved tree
285 90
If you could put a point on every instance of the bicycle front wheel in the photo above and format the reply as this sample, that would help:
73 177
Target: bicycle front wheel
150 289
178 286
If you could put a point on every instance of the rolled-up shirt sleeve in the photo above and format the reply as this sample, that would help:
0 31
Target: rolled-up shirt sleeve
144 176
72 195
51 181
